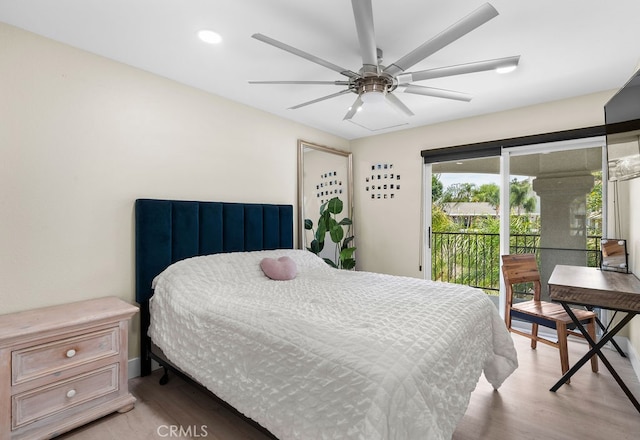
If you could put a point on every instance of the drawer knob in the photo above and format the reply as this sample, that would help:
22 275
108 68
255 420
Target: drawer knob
71 393
71 353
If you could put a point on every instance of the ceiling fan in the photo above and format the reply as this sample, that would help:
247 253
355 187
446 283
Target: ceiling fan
376 83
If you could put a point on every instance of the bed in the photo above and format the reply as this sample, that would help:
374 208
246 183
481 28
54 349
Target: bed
328 354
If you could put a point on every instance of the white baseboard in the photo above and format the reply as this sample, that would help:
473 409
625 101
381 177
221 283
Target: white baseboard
133 367
631 352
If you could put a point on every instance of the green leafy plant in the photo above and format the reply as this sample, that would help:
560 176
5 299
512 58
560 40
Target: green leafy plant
344 258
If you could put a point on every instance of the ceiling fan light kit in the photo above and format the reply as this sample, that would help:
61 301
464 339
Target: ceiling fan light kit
373 97
376 84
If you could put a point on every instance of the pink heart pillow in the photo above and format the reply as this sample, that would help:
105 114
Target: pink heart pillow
284 268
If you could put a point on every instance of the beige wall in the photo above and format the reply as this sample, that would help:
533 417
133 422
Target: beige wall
388 234
624 222
81 137
391 242
630 229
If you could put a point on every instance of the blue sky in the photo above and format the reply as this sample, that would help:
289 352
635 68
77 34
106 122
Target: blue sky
448 179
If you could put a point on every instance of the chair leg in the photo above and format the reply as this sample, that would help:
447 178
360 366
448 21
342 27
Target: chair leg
563 347
534 334
591 329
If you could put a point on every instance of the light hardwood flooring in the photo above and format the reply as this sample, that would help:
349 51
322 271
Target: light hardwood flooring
591 407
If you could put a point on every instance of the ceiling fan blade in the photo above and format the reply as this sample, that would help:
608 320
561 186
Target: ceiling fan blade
333 95
438 93
363 14
353 109
333 83
459 69
305 55
475 19
399 105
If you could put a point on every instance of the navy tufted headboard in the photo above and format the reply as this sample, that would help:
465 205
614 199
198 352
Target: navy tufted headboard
169 230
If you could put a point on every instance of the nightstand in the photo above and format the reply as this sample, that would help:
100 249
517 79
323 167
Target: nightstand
63 366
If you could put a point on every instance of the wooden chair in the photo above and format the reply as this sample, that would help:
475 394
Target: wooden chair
522 268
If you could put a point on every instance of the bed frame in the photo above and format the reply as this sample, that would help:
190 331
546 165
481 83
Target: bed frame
171 230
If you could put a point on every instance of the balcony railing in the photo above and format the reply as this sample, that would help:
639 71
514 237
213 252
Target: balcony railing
474 258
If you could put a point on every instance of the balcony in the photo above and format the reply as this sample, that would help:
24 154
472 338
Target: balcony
473 259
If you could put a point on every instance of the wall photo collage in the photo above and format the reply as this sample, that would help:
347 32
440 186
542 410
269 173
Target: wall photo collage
383 182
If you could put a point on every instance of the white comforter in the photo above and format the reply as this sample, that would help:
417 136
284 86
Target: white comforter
331 354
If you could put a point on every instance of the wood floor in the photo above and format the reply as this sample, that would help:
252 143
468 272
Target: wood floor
591 407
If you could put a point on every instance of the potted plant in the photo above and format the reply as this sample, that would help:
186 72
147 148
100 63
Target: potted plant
328 223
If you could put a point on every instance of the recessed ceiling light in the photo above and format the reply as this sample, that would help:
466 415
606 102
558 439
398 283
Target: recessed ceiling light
209 36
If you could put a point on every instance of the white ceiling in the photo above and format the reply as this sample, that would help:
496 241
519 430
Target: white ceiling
567 47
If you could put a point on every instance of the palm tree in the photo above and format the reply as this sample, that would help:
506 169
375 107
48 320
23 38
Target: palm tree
489 193
520 196
436 188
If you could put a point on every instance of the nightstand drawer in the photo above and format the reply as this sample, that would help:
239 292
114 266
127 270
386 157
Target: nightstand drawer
34 362
63 366
42 402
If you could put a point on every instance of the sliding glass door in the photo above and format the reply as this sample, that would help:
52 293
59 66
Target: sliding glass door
555 195
545 199
464 238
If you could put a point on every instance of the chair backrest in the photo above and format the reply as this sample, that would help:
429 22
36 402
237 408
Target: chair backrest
521 268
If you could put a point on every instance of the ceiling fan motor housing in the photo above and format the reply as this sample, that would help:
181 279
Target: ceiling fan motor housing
381 84
374 82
